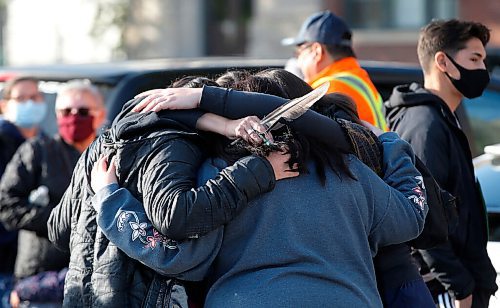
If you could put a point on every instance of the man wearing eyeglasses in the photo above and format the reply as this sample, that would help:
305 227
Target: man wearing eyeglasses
324 53
80 112
36 178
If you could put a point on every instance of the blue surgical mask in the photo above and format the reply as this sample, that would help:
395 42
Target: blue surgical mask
26 114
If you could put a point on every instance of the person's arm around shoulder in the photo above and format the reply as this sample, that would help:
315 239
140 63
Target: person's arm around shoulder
179 209
124 222
237 104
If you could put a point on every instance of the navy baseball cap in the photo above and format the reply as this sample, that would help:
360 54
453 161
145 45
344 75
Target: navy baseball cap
325 28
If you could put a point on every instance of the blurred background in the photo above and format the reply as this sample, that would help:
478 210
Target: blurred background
53 39
82 31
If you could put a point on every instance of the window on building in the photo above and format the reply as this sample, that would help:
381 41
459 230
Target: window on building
396 14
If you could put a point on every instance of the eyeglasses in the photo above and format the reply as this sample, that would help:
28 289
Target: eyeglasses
301 48
84 112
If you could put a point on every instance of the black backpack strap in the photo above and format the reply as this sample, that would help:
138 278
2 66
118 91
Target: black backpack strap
442 217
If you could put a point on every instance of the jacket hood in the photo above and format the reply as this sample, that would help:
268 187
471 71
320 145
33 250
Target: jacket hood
134 135
411 95
129 125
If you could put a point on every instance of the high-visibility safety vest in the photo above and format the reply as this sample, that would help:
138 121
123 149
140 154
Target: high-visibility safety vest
348 78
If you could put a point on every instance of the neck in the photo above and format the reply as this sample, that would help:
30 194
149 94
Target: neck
443 88
28 132
81 146
320 66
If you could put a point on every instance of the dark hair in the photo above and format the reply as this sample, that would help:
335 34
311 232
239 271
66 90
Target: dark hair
338 52
282 83
234 79
285 84
7 90
279 82
338 105
193 82
449 36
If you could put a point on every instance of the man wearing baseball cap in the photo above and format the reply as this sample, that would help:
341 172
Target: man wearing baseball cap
324 53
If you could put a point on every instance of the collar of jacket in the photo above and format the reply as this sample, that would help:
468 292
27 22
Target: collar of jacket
445 110
340 66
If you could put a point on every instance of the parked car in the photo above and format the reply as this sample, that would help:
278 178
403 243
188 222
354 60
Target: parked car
121 81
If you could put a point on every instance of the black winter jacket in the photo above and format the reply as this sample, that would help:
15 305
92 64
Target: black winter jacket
157 160
425 121
41 161
10 140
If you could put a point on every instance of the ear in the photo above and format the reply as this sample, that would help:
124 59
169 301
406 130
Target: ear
3 106
318 50
441 61
99 118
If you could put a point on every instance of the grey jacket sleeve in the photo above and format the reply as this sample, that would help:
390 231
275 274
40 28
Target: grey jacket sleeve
124 222
400 204
179 209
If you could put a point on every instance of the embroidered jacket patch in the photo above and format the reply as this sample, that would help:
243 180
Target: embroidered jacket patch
140 231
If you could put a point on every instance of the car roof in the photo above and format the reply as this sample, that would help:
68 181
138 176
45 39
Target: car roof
112 72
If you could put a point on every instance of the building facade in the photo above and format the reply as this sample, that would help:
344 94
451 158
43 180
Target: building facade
36 32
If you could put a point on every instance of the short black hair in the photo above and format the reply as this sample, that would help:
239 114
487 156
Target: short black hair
449 36
339 52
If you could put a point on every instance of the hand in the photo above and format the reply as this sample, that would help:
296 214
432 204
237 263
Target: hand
377 131
248 129
280 166
40 196
101 175
171 98
464 303
14 299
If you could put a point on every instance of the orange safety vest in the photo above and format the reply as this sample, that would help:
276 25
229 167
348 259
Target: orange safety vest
347 77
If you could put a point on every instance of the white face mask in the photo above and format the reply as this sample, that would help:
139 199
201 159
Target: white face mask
305 62
26 114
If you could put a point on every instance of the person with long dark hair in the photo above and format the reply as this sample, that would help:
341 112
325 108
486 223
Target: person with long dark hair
350 204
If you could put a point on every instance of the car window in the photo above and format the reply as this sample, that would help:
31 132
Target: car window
484 115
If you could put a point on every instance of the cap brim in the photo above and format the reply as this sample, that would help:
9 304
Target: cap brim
289 41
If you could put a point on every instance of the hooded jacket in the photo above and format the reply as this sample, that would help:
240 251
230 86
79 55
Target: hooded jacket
424 120
10 140
158 156
40 161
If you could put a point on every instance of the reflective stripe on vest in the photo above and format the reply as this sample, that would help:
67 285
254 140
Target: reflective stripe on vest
374 101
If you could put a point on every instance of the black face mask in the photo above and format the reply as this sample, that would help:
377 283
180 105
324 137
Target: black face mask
472 82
